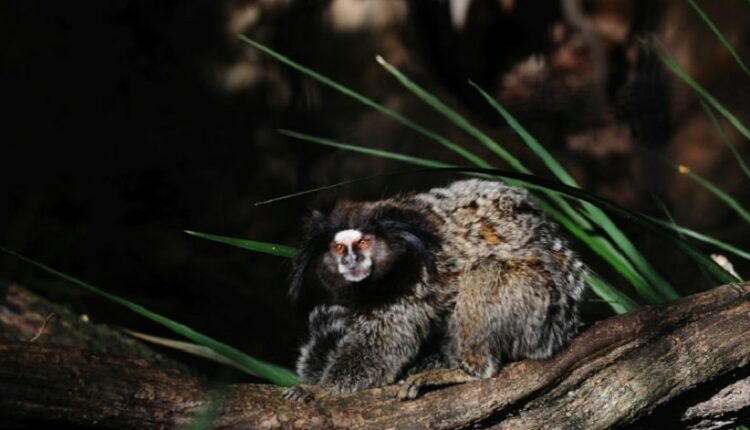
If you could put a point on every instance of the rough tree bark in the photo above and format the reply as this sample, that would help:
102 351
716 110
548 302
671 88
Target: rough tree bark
684 364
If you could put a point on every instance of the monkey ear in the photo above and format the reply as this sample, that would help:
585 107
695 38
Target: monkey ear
316 216
418 236
420 248
316 227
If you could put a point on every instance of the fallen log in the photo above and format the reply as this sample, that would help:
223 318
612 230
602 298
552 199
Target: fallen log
686 364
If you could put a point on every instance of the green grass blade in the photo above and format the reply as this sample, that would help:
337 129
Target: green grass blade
596 214
186 347
262 369
682 74
601 245
724 137
556 168
607 252
314 190
453 116
627 246
468 155
253 245
618 301
703 238
718 192
672 223
719 35
418 161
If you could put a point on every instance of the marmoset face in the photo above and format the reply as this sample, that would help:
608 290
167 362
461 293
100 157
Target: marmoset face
366 252
352 252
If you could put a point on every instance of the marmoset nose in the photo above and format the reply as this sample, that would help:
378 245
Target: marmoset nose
350 259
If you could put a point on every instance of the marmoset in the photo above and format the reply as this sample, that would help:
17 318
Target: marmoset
461 278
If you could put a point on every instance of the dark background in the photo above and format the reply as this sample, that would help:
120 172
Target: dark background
127 122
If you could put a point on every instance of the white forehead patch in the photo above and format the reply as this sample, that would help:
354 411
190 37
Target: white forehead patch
347 237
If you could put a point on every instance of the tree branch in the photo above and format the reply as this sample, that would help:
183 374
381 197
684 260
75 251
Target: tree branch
685 363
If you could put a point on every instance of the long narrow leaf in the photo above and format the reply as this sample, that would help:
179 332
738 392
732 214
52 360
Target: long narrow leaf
627 246
606 251
618 301
718 192
419 161
315 190
682 74
187 347
724 137
556 168
703 238
453 116
673 224
724 41
253 245
260 368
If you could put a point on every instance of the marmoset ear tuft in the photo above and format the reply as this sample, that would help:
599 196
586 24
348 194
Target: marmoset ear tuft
300 264
316 228
416 235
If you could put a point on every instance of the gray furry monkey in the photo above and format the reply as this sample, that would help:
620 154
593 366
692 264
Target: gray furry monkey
456 281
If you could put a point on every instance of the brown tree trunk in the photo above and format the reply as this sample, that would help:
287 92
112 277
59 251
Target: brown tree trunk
684 364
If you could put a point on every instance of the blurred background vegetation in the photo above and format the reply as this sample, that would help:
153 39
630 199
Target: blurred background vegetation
128 122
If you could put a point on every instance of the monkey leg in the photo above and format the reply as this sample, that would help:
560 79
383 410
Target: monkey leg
327 325
469 349
509 310
505 310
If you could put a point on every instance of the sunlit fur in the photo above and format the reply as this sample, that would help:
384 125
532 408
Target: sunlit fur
469 276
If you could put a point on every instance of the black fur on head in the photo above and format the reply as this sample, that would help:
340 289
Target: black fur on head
410 236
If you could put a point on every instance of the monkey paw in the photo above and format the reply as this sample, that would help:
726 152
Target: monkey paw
409 388
480 367
299 393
